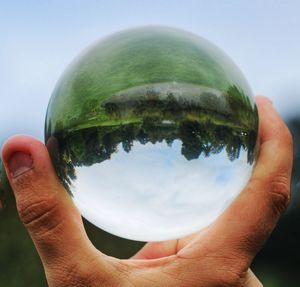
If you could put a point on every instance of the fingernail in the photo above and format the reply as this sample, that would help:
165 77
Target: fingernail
19 163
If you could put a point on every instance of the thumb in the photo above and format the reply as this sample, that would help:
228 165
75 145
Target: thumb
44 206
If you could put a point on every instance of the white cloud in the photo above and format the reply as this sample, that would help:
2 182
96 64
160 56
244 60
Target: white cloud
154 193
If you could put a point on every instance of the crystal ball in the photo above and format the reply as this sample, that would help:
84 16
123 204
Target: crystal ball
153 132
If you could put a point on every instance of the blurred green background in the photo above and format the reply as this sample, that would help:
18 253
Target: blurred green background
40 38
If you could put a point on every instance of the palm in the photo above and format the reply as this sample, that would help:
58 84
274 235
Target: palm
199 253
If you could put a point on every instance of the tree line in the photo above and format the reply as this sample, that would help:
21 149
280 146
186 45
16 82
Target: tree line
96 144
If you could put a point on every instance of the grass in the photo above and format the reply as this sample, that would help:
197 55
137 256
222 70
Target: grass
135 58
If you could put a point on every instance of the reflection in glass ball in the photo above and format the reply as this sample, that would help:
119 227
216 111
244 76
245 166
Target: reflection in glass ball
153 132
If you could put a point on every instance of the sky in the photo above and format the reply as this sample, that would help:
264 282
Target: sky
40 38
158 194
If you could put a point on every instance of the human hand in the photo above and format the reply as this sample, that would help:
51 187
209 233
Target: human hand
219 255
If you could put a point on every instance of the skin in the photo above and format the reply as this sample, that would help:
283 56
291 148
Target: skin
219 255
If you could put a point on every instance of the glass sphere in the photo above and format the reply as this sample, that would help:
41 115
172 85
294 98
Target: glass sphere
153 131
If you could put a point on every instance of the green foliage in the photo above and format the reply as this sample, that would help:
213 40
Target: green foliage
243 110
137 58
93 145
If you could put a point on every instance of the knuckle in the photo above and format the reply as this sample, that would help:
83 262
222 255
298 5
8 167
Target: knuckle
39 216
279 188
